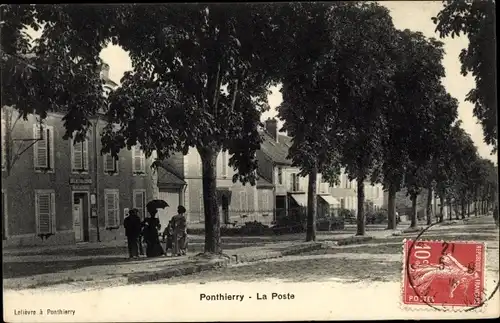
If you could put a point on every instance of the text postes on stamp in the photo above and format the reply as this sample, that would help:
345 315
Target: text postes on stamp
444 274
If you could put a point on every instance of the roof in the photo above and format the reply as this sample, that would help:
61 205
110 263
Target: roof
287 141
166 177
262 182
108 81
277 151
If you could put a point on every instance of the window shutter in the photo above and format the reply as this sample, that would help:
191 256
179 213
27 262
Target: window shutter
139 203
40 147
85 155
53 211
77 156
242 201
116 205
143 162
264 201
136 159
224 163
250 206
44 213
109 203
110 163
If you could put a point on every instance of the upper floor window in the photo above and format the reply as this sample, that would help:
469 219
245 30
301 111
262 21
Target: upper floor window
43 149
110 164
224 163
280 175
80 156
294 182
138 160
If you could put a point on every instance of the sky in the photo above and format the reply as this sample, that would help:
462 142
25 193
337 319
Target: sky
413 15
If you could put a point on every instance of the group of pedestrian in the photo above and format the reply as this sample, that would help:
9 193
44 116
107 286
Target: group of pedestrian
148 231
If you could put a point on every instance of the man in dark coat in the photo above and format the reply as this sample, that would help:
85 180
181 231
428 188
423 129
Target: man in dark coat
132 224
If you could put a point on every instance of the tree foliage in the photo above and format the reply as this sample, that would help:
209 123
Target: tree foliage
200 78
477 20
331 99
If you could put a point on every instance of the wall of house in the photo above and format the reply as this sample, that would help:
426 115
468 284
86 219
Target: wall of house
374 194
244 204
23 180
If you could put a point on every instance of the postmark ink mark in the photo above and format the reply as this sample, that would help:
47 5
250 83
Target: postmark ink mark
444 275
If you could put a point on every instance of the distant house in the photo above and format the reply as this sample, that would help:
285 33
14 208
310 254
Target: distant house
61 192
170 186
291 189
238 203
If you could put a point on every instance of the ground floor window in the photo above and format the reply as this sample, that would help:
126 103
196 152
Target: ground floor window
140 202
112 208
45 211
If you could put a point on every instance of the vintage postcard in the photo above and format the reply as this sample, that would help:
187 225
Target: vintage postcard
249 161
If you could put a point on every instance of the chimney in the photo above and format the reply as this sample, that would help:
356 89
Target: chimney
272 128
105 71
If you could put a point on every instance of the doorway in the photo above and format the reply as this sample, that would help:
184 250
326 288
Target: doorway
81 210
225 208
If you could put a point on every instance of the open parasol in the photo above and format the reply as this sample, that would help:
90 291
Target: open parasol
156 204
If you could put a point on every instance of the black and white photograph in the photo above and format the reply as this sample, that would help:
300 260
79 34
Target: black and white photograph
249 161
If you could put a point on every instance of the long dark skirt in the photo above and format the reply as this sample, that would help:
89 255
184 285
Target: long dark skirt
153 247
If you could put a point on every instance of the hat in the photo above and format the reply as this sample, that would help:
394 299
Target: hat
133 211
181 209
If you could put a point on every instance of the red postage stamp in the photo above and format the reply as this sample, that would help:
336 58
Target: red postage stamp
445 274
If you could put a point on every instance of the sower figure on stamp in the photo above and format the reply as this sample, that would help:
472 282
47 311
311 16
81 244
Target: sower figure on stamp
132 224
180 232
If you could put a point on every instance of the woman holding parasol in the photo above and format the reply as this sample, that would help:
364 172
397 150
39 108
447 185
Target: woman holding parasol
151 227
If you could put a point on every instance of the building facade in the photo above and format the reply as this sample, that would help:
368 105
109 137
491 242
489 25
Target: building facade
57 191
291 189
238 203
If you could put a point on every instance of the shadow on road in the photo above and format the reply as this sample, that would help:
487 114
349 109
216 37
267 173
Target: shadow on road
296 270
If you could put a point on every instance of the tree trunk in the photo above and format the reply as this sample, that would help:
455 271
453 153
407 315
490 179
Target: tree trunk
462 211
441 209
212 221
311 206
476 204
361 205
391 201
468 209
413 215
428 211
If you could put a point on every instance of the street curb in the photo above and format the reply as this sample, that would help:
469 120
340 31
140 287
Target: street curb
407 230
352 240
199 266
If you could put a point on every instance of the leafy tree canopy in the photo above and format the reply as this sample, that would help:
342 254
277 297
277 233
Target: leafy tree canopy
477 20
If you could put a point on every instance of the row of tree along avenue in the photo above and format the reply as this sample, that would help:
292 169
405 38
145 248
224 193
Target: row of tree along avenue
357 93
